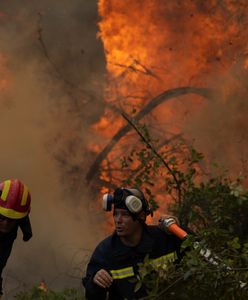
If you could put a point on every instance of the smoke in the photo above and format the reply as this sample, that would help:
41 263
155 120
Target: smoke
52 76
219 127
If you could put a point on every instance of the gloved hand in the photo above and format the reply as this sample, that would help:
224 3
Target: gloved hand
164 217
27 237
26 228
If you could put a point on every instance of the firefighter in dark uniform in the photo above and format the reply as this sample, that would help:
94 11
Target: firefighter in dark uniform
15 202
117 260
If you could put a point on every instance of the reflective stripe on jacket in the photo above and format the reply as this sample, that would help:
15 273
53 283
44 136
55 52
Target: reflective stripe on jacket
155 263
127 263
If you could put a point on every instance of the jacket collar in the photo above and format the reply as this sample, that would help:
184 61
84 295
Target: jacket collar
145 246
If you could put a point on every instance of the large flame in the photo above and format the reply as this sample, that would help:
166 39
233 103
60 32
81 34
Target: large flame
152 46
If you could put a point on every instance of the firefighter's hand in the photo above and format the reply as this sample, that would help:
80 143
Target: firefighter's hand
103 279
164 217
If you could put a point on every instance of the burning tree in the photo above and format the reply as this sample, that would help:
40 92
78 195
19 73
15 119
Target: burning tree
180 67
160 50
166 61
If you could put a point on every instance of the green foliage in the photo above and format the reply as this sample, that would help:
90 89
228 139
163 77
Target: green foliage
37 293
199 278
214 209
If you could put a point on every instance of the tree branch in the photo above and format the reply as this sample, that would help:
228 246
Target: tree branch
165 96
149 145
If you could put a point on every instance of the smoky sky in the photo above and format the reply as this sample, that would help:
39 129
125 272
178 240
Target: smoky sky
53 65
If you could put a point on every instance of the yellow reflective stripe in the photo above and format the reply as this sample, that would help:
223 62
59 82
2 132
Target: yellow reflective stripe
157 262
24 196
12 214
5 191
122 273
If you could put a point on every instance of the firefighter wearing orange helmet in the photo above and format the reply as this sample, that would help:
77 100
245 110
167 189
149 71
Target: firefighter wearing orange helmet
15 206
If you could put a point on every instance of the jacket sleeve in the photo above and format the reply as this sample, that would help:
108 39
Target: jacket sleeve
1 288
26 228
5 250
97 262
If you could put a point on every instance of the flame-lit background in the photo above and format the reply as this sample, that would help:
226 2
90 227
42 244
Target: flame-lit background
62 90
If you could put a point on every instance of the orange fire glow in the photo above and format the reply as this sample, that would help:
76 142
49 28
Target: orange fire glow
163 44
152 46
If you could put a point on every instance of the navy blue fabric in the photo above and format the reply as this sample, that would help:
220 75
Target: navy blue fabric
7 240
112 254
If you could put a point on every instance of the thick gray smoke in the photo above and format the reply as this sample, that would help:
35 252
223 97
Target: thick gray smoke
54 69
219 127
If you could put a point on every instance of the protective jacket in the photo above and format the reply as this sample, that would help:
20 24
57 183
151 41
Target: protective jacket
125 263
7 240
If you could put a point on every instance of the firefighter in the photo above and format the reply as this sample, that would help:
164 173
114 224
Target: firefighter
15 202
116 263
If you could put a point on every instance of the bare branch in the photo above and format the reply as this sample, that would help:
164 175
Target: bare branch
150 146
165 96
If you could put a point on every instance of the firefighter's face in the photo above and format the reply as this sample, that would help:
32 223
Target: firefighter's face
125 225
6 224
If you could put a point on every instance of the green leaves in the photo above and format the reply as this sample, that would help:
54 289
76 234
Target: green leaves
36 293
234 243
213 208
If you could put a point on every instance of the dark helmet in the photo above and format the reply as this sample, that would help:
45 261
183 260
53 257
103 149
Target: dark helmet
131 199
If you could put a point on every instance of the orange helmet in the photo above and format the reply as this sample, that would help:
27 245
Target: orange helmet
15 199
